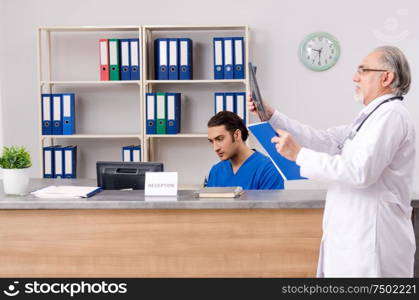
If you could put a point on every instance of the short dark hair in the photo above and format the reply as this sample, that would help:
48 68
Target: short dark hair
231 121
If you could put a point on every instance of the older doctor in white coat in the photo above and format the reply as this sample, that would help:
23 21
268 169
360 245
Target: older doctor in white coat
369 164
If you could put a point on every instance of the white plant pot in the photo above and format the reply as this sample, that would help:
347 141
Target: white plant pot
15 181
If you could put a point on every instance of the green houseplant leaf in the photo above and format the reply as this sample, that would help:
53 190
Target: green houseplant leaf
15 157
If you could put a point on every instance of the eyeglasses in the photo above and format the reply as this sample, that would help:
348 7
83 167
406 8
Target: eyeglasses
362 70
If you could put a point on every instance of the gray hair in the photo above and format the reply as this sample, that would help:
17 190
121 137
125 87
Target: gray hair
394 60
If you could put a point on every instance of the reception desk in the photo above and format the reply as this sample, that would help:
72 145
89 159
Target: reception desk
123 234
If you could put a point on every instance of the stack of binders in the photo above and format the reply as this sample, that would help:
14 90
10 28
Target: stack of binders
229 58
60 161
234 102
58 114
173 59
119 59
131 153
163 113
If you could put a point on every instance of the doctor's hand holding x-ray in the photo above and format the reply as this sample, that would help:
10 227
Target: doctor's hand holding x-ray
369 166
285 143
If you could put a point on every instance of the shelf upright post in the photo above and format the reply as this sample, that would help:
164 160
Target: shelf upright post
145 90
38 41
246 60
141 87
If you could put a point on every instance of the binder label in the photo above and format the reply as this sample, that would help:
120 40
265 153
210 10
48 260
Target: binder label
183 53
230 103
58 162
47 162
150 107
160 107
134 53
68 162
103 53
113 57
46 108
127 155
57 108
170 107
228 53
66 106
238 45
218 54
136 155
173 53
240 106
163 53
124 53
219 103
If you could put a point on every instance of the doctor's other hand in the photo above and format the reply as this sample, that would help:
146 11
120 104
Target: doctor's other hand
286 145
252 108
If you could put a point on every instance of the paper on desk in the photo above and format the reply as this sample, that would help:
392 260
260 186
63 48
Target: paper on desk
66 191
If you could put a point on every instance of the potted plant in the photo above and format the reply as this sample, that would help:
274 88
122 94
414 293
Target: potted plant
15 162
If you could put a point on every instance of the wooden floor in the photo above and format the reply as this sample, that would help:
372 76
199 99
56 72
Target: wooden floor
159 243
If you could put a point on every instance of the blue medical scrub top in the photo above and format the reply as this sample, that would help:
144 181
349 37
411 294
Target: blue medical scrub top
256 173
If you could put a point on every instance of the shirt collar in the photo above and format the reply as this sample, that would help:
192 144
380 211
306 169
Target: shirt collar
374 103
250 158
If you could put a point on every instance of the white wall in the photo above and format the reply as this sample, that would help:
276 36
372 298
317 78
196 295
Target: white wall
1 102
321 99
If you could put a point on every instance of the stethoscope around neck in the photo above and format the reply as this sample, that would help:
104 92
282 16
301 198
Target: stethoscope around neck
352 134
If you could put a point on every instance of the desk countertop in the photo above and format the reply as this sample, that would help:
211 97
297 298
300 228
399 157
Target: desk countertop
186 199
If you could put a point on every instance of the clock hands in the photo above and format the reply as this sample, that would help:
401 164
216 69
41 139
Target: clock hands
319 51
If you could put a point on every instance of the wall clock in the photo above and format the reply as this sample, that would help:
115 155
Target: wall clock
319 51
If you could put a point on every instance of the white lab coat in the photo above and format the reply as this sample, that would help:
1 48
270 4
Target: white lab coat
367 227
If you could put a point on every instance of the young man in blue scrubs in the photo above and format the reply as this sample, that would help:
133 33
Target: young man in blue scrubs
239 165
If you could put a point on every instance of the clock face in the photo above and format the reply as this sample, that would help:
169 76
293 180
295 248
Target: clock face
319 51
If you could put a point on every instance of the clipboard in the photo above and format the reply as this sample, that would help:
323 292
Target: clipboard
256 96
264 132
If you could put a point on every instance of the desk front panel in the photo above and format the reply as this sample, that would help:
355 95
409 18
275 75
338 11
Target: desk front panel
160 243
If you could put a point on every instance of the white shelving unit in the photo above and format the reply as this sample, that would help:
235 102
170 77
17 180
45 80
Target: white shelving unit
150 33
48 84
203 77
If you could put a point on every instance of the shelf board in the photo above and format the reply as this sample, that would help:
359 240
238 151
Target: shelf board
147 27
241 81
93 82
93 136
179 135
194 28
90 28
